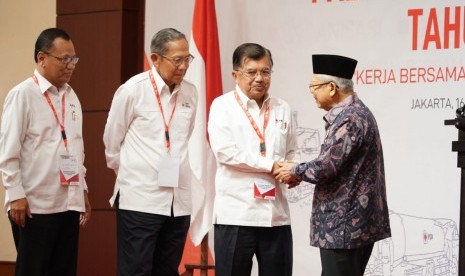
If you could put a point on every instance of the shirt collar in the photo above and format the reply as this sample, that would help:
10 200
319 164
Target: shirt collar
45 85
161 85
246 99
335 111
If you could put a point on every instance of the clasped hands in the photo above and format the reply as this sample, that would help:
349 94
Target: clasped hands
281 172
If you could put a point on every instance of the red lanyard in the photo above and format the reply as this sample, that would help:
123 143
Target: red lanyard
254 125
63 105
167 126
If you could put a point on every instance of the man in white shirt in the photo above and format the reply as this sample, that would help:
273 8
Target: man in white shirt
251 134
146 137
41 160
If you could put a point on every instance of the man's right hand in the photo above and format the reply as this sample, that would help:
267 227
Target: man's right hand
18 210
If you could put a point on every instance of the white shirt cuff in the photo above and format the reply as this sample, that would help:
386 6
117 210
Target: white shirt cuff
15 193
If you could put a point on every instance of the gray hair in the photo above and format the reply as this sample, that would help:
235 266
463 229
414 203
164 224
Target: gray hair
161 39
346 85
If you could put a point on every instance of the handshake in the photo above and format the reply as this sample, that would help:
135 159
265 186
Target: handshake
281 172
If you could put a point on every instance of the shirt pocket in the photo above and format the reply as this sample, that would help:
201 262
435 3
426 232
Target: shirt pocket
73 125
280 130
43 126
280 141
148 122
181 124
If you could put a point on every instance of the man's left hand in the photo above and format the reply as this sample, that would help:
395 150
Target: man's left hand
85 216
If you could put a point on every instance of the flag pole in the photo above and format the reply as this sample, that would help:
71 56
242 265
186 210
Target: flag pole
204 255
203 266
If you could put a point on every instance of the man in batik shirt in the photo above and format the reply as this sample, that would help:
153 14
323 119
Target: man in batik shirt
350 211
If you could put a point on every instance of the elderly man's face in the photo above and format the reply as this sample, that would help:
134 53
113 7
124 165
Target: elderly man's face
321 91
166 66
254 77
54 69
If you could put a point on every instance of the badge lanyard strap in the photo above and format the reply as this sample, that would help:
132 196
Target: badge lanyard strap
254 125
167 126
63 105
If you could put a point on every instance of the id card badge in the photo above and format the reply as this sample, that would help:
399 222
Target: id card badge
69 169
264 187
168 172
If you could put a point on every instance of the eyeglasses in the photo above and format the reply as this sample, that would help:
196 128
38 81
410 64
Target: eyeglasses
177 61
254 74
315 86
65 60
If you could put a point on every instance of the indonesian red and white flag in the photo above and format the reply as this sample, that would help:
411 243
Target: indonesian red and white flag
205 73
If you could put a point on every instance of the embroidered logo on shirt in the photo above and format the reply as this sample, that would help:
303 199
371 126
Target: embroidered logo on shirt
186 105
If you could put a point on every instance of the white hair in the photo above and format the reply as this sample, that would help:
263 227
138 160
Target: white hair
342 84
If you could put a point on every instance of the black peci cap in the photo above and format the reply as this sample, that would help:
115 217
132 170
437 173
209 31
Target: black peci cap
333 65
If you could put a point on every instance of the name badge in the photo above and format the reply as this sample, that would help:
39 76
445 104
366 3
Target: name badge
168 172
69 169
264 187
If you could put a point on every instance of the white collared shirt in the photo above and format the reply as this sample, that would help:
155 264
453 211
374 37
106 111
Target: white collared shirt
134 141
236 147
30 142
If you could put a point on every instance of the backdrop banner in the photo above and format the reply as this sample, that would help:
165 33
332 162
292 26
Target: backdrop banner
410 73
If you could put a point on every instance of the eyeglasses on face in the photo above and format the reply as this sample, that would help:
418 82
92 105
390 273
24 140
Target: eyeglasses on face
253 74
177 61
317 85
64 60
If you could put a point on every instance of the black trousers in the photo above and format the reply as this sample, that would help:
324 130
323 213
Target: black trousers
236 245
150 244
344 262
47 245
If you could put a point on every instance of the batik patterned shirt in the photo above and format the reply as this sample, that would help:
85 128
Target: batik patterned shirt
349 202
